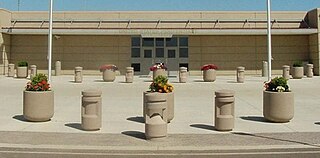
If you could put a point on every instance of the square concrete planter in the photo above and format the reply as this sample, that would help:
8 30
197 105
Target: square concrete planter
297 72
278 106
22 72
38 106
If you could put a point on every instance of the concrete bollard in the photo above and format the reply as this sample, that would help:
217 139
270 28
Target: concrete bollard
58 68
183 74
129 74
78 74
240 74
264 69
10 70
33 70
156 115
224 110
286 72
309 70
91 110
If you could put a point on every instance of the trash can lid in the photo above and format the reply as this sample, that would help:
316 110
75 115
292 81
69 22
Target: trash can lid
91 93
224 93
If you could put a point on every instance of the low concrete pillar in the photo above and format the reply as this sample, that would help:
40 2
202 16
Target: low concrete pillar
156 116
183 74
240 74
286 72
129 74
58 68
309 72
78 74
11 70
224 110
91 110
264 69
33 70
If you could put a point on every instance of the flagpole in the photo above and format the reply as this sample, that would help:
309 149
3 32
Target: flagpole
50 40
269 38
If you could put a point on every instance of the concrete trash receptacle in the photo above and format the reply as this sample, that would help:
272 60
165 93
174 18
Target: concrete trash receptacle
78 74
11 70
240 74
129 74
156 117
286 72
33 70
91 110
183 74
224 110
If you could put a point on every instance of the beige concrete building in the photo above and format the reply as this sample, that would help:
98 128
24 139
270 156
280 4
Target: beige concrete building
177 38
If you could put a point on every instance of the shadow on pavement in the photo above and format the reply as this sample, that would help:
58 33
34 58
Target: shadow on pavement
135 134
255 118
20 118
200 80
203 126
138 119
74 125
317 123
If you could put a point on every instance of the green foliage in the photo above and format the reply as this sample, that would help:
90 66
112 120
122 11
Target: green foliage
22 64
297 64
277 84
160 84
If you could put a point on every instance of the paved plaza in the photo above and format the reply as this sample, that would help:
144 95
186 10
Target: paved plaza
191 129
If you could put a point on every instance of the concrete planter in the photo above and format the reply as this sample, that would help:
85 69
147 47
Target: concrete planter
38 106
159 72
22 72
297 72
209 75
108 75
278 106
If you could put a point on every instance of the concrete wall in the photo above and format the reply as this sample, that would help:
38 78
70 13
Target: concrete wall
314 40
5 17
87 51
228 52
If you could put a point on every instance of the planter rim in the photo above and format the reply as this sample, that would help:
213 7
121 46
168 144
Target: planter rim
276 92
37 91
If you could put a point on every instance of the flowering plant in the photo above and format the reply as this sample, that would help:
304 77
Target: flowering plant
38 83
108 67
277 84
158 66
209 66
160 84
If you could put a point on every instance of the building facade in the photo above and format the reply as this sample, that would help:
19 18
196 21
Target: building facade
176 38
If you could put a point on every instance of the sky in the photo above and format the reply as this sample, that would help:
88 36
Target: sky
159 5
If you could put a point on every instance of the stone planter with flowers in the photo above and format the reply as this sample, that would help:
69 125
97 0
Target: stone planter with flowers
158 69
38 99
278 101
161 85
22 69
108 72
209 72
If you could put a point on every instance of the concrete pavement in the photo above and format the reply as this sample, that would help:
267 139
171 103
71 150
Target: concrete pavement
192 126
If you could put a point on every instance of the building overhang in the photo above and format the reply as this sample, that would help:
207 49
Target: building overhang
164 33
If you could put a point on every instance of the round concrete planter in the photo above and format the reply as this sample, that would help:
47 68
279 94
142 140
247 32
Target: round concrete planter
209 75
278 106
297 72
38 106
159 72
22 72
108 75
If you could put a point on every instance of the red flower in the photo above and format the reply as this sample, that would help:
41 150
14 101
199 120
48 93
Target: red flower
209 66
